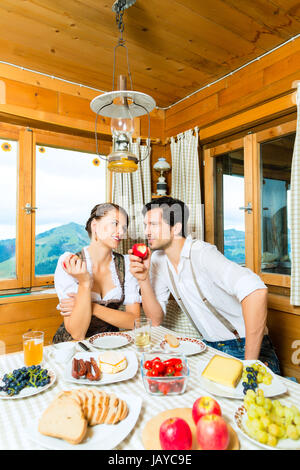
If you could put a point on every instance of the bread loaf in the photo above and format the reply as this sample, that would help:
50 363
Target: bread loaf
64 419
72 411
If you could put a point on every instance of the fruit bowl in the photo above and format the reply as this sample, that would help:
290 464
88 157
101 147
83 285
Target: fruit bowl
166 376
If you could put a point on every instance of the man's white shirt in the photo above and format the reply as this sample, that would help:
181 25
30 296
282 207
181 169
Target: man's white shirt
224 283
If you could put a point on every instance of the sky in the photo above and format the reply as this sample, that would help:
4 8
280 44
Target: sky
68 186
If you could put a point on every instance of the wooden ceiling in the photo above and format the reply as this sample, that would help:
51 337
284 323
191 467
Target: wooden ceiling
175 46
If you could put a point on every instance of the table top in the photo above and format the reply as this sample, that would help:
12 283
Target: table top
16 414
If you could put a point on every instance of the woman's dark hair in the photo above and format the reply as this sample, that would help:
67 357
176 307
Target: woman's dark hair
100 210
173 210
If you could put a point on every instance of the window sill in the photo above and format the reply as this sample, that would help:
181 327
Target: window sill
27 297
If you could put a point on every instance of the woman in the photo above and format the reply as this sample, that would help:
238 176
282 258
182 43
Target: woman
100 278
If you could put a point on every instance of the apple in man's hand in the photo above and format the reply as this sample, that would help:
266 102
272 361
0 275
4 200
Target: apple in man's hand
175 434
212 433
140 250
205 406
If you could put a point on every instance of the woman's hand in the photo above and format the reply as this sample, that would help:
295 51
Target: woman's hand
66 305
74 266
139 268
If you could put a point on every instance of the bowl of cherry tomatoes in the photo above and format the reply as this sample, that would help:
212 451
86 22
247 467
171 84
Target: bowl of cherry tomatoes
164 374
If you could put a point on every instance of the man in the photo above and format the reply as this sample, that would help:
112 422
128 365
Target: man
226 302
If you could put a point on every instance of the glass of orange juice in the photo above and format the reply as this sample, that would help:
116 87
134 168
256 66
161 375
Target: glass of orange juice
33 343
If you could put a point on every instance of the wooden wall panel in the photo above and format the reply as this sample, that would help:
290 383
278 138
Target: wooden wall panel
261 82
18 317
284 330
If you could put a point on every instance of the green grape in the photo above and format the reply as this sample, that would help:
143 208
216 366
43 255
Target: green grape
260 393
298 428
265 420
259 378
262 436
272 441
289 415
295 410
274 430
261 411
276 403
250 394
267 380
279 410
291 432
268 404
252 411
257 425
260 400
297 420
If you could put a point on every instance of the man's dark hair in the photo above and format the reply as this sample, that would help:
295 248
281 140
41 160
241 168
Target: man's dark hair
173 210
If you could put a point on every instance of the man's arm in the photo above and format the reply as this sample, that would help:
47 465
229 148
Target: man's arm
254 308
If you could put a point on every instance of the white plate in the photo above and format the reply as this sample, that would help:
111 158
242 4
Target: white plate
126 374
240 418
100 437
110 340
187 346
30 391
277 387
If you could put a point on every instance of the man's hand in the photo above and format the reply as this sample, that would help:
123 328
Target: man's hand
140 268
66 305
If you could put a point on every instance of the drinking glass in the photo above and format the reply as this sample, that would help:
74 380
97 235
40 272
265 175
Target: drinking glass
33 343
142 334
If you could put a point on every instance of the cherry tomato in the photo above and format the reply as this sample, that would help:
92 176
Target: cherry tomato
156 359
178 373
178 366
153 373
148 373
148 365
159 367
170 370
173 361
164 388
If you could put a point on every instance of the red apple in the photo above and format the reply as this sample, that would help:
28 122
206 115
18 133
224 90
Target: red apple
212 433
140 249
205 406
175 434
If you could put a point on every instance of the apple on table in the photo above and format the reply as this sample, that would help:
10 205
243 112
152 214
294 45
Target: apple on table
175 434
205 406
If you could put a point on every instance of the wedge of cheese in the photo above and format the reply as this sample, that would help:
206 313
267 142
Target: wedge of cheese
111 362
224 370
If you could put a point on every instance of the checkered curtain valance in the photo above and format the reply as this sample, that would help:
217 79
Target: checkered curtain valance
186 177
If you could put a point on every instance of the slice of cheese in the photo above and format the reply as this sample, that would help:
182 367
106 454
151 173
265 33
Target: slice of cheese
111 362
224 370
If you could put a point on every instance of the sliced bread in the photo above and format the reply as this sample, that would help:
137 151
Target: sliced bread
64 419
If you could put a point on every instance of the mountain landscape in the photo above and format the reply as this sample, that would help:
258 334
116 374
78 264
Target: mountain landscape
49 246
72 237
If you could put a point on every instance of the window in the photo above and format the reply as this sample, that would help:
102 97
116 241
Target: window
49 184
230 218
247 189
8 213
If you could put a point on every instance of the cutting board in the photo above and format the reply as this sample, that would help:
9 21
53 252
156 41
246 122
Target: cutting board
150 434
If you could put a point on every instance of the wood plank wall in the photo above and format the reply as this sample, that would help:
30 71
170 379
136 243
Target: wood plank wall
270 77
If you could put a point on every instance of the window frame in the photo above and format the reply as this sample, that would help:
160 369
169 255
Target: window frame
251 144
27 139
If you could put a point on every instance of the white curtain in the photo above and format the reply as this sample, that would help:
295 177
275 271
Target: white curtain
295 213
131 191
186 177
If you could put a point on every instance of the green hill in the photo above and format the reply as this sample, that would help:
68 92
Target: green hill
49 246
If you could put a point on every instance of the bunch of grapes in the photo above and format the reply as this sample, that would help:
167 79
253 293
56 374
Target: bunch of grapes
268 421
252 376
33 376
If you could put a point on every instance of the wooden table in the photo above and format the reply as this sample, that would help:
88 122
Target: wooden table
18 413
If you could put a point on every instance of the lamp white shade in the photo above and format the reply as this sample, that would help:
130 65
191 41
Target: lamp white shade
162 165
